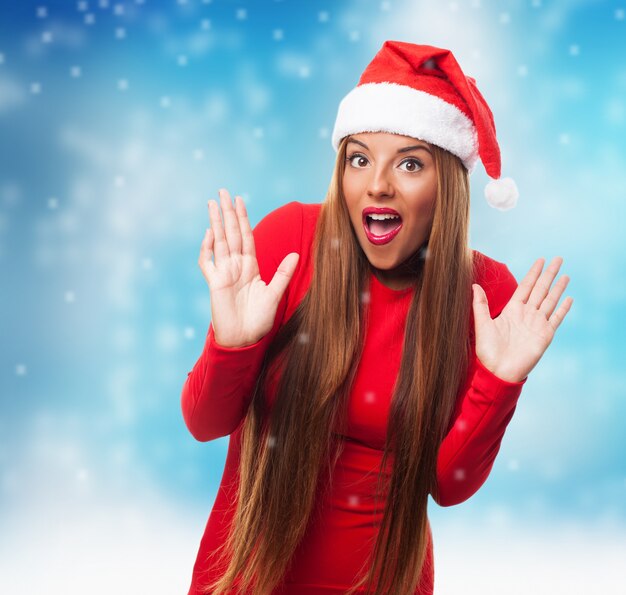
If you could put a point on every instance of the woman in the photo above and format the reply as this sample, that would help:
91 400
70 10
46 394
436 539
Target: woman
360 364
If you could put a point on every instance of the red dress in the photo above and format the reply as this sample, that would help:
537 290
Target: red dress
218 390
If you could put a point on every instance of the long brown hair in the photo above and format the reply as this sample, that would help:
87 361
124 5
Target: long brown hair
285 454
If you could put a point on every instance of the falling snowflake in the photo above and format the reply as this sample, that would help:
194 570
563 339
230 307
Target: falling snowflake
461 424
182 60
303 337
90 18
70 297
198 154
241 14
165 101
75 71
324 132
205 24
42 12
574 50
53 203
257 132
365 297
277 34
505 18
370 396
188 332
118 9
46 37
122 84
459 474
20 369
619 14
82 6
522 70
120 33
1 58
271 441
353 500
35 88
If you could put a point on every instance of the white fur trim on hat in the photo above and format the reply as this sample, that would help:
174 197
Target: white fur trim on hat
389 107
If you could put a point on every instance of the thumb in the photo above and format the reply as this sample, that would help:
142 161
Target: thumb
283 274
481 305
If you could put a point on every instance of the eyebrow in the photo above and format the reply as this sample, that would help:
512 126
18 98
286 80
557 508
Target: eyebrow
403 150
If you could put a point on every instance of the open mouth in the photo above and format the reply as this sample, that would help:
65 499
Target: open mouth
382 226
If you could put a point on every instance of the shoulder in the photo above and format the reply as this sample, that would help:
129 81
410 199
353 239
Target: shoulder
496 279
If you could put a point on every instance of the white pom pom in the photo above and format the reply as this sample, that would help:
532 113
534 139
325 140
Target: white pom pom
502 194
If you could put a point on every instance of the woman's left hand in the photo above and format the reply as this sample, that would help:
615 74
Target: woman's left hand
511 344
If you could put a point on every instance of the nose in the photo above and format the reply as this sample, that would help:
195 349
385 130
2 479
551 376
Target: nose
379 183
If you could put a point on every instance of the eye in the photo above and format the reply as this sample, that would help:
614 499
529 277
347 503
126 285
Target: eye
351 157
417 164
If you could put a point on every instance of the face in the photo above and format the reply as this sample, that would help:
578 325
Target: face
396 172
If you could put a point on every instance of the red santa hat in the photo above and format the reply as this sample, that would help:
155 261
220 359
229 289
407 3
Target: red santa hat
421 91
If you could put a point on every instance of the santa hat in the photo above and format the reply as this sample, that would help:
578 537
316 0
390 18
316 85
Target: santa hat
421 91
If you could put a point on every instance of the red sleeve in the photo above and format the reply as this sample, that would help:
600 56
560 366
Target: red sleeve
482 413
218 390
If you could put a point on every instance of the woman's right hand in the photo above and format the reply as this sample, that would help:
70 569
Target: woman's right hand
243 306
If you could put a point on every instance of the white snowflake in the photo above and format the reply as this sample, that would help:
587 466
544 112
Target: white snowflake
90 18
122 84
462 425
564 138
370 396
165 101
118 9
355 35
46 37
120 181
146 264
120 33
70 297
522 70
20 369
1 58
513 464
324 132
322 16
82 6
205 24
258 132
42 12
574 50
271 441
365 297
277 34
241 14
104 3
304 71
459 474
505 18
198 154
303 337
385 5
619 14
35 88
53 203
353 500
75 71
182 60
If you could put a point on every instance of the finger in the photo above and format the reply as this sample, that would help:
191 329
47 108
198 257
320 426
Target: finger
220 246
247 237
480 305
231 223
548 305
283 274
557 318
206 251
542 286
528 282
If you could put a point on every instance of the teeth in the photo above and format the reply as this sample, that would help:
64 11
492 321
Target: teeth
383 217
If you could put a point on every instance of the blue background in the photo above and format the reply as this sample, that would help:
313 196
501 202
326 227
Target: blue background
119 120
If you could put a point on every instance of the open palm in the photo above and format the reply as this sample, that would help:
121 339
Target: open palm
511 344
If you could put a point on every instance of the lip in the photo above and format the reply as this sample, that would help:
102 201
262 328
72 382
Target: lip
384 239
